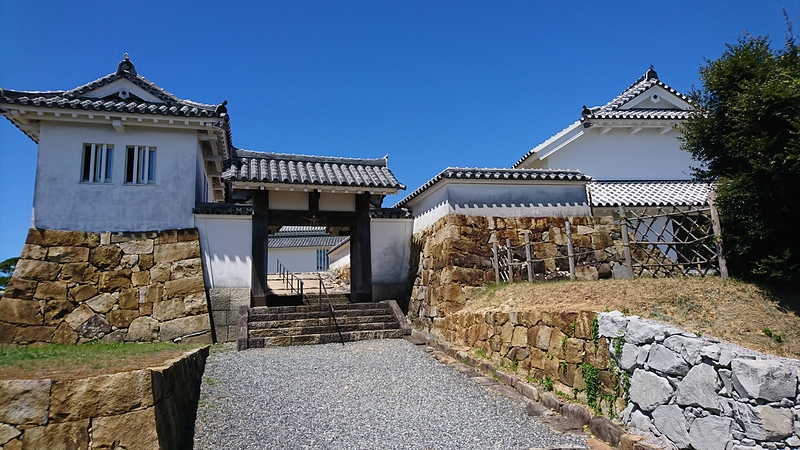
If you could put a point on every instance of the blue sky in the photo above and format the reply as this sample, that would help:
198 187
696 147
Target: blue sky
431 83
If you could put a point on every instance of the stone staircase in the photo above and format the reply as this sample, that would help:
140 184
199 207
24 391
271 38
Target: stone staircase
279 294
311 324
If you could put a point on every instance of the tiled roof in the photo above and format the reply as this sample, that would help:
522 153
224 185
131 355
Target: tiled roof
324 241
648 193
229 209
290 230
612 109
390 213
460 173
279 168
78 98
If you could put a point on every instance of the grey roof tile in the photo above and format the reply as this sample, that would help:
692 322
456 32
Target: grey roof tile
281 168
520 175
303 236
648 193
612 109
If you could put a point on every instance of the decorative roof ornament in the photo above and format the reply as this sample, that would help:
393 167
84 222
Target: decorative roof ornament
126 66
222 108
585 113
651 74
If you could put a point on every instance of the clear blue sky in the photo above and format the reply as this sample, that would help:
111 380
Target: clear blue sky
431 83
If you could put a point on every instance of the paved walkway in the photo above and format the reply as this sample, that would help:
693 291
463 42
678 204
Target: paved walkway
383 394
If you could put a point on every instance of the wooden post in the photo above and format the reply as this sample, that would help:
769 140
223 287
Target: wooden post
510 261
496 263
528 257
723 265
360 253
626 246
570 250
258 274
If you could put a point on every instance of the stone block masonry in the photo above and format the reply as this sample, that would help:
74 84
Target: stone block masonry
147 409
452 259
225 303
703 394
555 349
74 287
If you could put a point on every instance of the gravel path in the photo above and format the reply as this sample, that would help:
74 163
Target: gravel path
369 394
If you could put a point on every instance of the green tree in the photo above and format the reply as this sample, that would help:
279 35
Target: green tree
6 270
746 136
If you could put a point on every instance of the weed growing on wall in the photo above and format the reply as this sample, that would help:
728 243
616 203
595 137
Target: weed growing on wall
591 378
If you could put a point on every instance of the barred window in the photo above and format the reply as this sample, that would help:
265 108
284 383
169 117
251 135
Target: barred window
98 163
140 165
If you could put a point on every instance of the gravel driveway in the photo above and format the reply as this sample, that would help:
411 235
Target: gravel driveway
383 394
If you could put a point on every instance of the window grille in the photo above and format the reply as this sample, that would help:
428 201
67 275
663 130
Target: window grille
98 163
140 165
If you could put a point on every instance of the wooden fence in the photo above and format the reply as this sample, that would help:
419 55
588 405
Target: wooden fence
663 241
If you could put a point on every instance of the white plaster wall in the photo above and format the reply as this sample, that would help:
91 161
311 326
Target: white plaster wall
619 155
296 259
390 241
340 257
292 200
226 244
61 201
498 193
329 201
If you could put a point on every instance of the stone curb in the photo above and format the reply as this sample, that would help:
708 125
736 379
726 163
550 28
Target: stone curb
548 408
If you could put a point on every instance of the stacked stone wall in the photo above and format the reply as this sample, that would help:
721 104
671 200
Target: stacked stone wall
691 393
75 287
225 303
149 408
546 347
452 259
703 394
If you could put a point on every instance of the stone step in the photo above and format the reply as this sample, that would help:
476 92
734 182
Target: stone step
322 329
324 320
303 308
324 338
316 314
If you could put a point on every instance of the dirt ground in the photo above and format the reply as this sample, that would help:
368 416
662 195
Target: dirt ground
738 312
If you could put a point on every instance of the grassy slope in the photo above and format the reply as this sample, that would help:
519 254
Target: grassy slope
734 311
64 362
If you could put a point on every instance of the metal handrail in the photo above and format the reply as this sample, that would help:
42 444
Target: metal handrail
324 289
289 279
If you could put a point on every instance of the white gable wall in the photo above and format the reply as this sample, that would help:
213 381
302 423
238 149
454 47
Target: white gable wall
62 201
620 155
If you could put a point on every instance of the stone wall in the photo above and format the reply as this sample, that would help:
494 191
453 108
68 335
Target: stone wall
703 394
552 348
452 259
225 303
74 287
149 408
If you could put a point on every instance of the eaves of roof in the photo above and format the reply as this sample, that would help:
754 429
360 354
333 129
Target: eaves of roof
505 175
325 242
291 169
77 99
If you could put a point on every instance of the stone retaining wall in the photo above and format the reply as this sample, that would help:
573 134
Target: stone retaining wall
553 349
149 408
225 303
452 259
75 287
703 394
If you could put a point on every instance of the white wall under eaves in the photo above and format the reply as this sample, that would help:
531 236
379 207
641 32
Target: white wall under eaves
620 155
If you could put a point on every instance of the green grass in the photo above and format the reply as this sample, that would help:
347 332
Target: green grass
94 356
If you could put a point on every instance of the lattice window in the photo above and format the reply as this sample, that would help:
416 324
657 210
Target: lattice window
98 163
